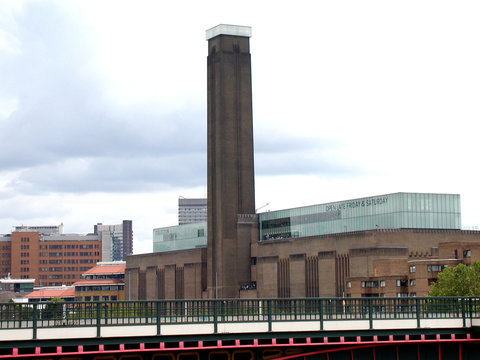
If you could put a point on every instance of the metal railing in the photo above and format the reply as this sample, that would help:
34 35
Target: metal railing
164 312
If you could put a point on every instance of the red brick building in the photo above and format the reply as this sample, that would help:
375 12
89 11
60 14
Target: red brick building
53 260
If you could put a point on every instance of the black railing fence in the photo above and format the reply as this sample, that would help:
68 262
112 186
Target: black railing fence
106 313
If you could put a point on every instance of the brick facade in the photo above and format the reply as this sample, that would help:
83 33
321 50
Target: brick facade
50 262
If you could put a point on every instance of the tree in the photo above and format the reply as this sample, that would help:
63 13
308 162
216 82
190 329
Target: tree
460 280
54 308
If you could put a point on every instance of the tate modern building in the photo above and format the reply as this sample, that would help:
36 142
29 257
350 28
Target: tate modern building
383 245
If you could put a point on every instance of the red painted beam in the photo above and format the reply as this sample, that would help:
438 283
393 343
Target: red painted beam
357 344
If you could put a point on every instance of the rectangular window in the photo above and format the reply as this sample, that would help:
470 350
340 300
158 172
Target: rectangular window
412 282
467 253
436 268
412 268
382 283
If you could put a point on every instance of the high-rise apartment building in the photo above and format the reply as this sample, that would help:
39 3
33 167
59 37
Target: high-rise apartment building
192 211
117 240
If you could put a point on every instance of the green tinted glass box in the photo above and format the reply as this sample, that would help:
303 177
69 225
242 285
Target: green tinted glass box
391 211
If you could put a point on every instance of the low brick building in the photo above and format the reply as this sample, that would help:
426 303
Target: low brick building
104 282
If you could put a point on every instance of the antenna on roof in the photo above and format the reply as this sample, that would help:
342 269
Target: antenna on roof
261 207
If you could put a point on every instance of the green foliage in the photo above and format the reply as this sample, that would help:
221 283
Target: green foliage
56 299
460 280
54 308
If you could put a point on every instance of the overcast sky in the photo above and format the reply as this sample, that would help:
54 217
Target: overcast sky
103 105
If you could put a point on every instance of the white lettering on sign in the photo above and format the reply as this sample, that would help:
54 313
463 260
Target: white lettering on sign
357 203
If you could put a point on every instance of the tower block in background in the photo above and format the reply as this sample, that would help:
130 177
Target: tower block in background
231 193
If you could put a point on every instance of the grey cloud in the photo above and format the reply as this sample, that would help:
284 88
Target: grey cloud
62 114
114 174
64 137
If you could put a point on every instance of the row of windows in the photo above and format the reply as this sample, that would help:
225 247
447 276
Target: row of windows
66 268
70 261
69 253
100 288
88 261
431 268
99 277
25 239
67 261
406 294
382 283
53 269
55 276
399 294
104 298
54 261
369 284
436 268
69 246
